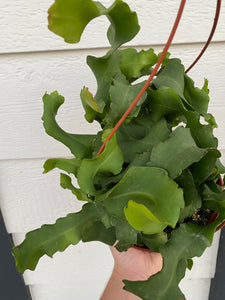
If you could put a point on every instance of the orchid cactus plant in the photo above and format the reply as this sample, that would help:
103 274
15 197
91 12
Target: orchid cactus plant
155 183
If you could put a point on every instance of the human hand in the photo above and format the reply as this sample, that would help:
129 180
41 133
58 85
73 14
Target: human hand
134 264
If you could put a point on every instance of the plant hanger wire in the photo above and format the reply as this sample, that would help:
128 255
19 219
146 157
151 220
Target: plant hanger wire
210 36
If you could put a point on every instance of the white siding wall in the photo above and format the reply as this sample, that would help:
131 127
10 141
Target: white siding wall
33 61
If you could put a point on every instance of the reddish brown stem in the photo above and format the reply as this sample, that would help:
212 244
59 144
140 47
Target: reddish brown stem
150 77
210 36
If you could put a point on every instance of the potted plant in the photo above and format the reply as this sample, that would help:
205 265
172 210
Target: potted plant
154 184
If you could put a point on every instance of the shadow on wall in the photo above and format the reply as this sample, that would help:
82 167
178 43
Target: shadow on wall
12 286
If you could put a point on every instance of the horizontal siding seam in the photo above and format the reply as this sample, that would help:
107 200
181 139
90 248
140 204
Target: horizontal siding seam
105 48
43 158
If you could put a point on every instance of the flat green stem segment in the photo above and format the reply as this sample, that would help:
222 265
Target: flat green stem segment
177 153
124 24
111 160
69 165
66 183
136 64
68 18
122 94
79 145
142 218
135 138
172 76
57 237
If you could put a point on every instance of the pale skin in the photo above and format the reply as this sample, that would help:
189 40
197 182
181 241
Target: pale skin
134 264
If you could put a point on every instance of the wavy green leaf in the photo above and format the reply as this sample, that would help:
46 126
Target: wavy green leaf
155 241
93 111
138 127
124 24
164 101
197 98
126 235
205 167
172 76
68 18
220 167
130 145
177 152
98 232
105 69
69 165
190 263
79 145
209 118
66 183
201 133
213 200
166 58
136 64
192 196
142 218
217 171
122 94
52 238
108 180
110 160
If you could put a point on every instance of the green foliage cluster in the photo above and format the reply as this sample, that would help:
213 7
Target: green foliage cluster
158 170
